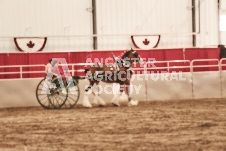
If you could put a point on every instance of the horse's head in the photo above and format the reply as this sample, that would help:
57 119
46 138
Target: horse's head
132 56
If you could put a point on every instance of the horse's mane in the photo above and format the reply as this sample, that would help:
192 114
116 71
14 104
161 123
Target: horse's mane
126 54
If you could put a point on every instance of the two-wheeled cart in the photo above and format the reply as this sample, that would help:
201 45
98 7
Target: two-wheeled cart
59 93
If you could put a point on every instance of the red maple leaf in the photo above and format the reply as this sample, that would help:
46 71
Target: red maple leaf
30 44
146 42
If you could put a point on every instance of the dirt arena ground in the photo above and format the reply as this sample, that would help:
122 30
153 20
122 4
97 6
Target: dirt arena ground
163 125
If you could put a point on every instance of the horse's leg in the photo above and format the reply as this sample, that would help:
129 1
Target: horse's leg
115 99
131 101
98 99
85 101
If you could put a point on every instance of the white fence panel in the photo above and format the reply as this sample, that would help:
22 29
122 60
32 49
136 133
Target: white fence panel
158 88
223 83
18 93
138 91
206 85
149 87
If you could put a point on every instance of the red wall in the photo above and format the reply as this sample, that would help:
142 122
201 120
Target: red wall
80 57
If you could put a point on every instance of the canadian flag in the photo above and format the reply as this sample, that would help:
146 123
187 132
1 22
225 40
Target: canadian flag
30 44
145 42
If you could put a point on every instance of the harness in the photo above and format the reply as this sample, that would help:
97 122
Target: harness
121 63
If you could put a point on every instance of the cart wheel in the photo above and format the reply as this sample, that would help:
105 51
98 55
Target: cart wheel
58 93
42 91
73 93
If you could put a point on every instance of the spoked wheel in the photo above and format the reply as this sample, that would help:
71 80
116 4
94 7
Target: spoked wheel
42 92
58 93
73 93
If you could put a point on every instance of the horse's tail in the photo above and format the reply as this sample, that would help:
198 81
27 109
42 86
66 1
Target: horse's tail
77 78
86 70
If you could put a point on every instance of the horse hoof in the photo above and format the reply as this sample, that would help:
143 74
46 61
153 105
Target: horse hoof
101 102
116 105
87 105
102 105
85 101
133 103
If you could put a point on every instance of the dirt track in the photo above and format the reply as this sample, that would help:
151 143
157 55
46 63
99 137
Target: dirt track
167 125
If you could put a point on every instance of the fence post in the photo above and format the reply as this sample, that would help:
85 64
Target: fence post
73 70
21 74
168 67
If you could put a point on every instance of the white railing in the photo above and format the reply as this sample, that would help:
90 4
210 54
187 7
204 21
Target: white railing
222 64
21 71
205 66
167 66
72 71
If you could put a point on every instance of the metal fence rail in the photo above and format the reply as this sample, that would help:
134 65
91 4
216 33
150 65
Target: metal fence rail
219 64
